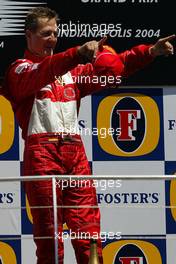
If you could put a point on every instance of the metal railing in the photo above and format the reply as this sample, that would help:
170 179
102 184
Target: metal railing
55 178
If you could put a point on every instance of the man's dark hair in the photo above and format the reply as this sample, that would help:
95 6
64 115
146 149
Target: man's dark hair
34 14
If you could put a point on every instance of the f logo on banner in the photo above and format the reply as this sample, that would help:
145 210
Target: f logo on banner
128 123
131 260
139 124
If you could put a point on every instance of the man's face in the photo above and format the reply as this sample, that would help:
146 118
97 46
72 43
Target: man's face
43 41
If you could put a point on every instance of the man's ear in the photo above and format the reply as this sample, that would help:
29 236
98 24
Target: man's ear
28 34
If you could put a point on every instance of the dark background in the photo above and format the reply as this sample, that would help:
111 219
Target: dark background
131 15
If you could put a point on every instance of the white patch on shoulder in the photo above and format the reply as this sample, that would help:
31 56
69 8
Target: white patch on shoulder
26 65
22 67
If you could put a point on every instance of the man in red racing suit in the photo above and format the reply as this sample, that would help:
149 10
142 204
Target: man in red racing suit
45 96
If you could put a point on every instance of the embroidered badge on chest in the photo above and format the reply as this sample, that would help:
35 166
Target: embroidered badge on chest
69 93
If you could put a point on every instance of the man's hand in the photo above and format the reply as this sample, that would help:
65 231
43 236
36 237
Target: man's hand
163 47
89 50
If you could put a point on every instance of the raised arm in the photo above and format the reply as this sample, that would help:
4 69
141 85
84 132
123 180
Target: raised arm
140 56
25 78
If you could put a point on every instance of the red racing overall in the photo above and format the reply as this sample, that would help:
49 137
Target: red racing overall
45 98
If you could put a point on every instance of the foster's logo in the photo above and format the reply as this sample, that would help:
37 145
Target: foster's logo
137 118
